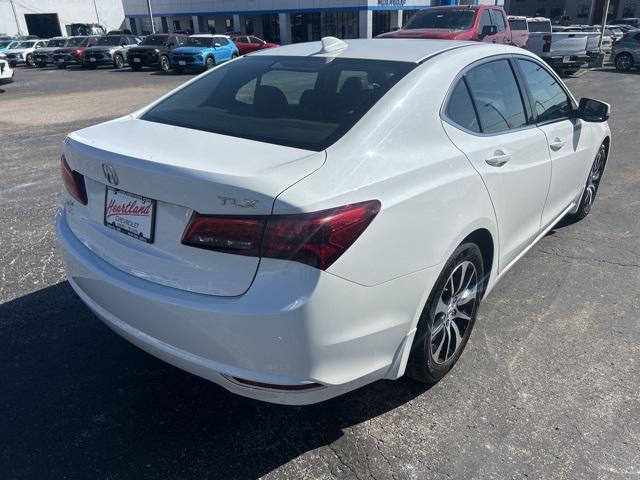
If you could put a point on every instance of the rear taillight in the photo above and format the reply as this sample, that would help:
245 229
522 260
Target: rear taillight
546 46
77 53
317 239
73 181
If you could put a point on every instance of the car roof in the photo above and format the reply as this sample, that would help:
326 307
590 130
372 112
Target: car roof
396 49
209 35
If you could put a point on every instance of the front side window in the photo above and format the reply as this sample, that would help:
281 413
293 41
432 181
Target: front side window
154 40
550 100
197 42
460 108
498 20
449 19
485 20
496 96
302 102
518 24
57 42
108 41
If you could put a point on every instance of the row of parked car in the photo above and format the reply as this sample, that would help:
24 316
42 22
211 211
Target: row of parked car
177 51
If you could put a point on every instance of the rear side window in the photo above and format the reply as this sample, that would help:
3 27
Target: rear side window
518 24
303 102
496 96
498 20
550 100
537 27
460 108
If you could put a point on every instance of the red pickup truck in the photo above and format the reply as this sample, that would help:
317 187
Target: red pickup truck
482 23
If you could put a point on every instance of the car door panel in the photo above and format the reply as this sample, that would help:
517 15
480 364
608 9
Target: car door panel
568 138
510 154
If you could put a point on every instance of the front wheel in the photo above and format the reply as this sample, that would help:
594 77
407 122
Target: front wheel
623 62
448 316
209 63
29 60
593 182
165 64
118 61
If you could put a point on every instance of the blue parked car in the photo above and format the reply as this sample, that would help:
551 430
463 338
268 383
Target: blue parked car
203 52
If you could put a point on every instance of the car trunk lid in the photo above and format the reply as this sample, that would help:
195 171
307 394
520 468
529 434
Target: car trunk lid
180 171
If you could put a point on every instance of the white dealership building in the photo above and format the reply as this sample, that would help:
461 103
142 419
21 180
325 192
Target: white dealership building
280 21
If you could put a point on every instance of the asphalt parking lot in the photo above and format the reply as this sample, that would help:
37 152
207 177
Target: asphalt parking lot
548 387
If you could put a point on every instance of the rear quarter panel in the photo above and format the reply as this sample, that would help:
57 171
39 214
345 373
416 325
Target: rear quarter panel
399 154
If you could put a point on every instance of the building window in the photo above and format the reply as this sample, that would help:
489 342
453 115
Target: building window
176 24
583 11
340 24
211 26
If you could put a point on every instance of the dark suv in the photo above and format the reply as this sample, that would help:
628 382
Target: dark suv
109 50
154 51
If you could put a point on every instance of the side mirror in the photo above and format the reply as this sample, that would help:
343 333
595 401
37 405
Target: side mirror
488 30
216 45
591 110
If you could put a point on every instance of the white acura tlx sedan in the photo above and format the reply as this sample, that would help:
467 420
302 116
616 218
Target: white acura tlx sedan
308 219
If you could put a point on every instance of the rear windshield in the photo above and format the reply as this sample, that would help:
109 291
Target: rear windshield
57 42
447 19
155 40
539 27
518 24
302 102
108 41
197 42
77 41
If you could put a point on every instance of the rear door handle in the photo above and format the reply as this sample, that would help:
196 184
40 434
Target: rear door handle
499 159
556 145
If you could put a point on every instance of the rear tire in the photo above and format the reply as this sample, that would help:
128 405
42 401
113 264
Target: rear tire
623 62
448 316
593 182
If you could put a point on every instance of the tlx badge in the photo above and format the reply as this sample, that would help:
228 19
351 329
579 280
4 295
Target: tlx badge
244 203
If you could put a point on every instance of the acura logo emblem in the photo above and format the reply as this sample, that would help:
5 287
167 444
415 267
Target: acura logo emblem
110 173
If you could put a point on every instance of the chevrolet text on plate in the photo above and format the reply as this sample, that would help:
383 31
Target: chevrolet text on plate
341 211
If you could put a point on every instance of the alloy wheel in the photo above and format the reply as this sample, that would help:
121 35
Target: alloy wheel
164 63
454 311
623 62
593 181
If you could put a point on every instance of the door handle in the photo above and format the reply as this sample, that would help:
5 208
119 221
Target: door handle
499 159
556 145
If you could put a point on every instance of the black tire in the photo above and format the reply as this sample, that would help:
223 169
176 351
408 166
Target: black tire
165 63
435 329
178 69
135 67
29 60
572 71
234 55
118 61
209 63
593 182
623 62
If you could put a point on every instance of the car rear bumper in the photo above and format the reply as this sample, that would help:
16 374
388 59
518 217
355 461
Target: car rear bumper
567 61
295 326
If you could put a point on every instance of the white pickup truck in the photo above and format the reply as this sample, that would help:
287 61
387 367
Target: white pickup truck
565 52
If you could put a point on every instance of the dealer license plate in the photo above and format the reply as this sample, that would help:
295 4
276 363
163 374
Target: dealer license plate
131 214
92 59
566 59
61 60
181 62
136 60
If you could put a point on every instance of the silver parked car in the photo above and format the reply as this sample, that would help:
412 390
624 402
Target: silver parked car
626 52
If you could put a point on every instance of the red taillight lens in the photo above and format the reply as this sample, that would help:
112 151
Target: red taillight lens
546 47
73 181
320 238
317 239
241 236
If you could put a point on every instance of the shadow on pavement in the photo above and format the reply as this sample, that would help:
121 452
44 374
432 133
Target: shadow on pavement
80 402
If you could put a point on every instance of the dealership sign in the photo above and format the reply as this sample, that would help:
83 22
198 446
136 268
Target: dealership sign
391 3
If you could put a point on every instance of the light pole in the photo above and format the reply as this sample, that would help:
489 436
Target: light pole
15 15
95 5
604 20
153 27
